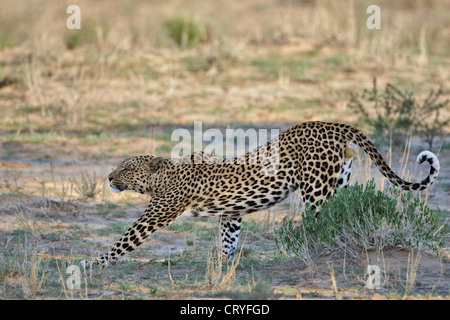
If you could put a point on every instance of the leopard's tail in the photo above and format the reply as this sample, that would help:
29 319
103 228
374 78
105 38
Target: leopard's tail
358 138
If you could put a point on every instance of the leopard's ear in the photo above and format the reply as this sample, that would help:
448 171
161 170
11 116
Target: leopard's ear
155 164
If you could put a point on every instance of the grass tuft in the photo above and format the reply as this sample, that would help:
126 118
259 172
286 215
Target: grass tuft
186 32
361 218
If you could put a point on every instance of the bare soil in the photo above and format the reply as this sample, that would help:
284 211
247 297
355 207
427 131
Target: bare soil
63 228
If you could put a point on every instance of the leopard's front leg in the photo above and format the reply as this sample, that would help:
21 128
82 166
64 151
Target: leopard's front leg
129 241
157 216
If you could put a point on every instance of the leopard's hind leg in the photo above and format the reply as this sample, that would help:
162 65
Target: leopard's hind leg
230 227
344 176
319 176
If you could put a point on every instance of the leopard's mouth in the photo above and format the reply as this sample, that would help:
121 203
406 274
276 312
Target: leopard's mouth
117 189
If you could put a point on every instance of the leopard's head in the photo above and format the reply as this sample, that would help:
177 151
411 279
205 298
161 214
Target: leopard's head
135 174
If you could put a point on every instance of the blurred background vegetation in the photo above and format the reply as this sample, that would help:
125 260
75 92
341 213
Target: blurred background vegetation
137 64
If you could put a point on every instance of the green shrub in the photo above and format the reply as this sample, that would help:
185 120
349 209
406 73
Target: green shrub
361 218
75 38
185 31
86 35
397 113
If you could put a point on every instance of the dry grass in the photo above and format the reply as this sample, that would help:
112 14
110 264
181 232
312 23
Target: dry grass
220 274
32 270
250 70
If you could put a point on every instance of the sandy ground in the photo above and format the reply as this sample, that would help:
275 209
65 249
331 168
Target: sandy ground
69 228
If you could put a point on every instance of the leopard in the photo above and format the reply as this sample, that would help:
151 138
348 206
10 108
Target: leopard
313 157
